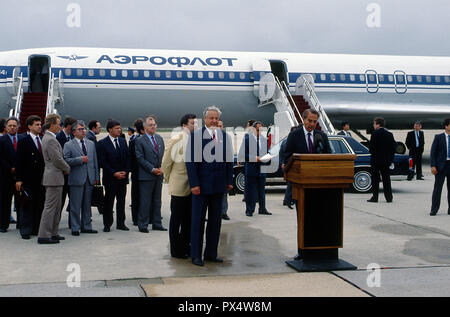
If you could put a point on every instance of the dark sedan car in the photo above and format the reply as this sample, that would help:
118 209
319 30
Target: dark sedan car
339 145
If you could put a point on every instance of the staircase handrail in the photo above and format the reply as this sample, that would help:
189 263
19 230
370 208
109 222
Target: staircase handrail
288 94
19 98
50 103
314 102
285 100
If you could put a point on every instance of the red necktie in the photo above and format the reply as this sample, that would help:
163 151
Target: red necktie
39 145
154 144
15 144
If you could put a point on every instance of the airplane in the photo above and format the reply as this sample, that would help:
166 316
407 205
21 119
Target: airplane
102 83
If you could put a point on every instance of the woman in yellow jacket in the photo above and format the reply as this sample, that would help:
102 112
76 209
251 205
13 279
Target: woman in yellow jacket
175 174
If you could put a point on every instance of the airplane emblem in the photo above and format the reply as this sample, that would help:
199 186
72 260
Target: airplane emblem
73 57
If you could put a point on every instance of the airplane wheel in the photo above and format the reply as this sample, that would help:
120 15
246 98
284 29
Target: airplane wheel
362 182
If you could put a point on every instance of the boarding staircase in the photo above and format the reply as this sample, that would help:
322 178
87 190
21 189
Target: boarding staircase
289 107
36 103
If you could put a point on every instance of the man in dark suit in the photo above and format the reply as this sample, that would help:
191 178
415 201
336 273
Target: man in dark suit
95 128
114 159
8 158
306 139
209 164
415 141
149 154
29 173
440 167
253 148
345 129
287 201
382 149
134 170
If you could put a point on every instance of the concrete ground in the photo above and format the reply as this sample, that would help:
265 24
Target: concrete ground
411 248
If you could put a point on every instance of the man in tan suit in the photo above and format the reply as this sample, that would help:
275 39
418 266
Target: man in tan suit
175 173
53 180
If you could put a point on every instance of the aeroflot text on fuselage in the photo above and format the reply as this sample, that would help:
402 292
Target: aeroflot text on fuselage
160 60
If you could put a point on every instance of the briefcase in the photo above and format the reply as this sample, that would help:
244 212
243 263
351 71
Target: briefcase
97 196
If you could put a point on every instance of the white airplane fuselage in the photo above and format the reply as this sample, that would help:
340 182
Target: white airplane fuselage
102 83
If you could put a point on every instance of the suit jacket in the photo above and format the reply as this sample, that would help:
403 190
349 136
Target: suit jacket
438 153
113 161
147 157
296 143
411 141
174 166
55 166
8 159
91 136
79 171
382 147
30 163
62 139
212 174
249 151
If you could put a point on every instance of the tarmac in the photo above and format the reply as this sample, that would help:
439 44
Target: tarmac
411 248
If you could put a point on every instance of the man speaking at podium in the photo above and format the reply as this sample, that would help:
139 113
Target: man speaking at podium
307 140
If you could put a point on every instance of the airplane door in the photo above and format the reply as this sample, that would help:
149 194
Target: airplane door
401 84
38 73
372 83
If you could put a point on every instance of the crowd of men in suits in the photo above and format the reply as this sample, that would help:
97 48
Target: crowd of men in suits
197 164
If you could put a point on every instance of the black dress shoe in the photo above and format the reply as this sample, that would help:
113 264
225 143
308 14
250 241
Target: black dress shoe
216 260
420 178
26 237
159 228
290 206
58 237
225 217
264 212
298 257
389 200
372 200
89 231
198 262
144 230
76 233
106 229
47 241
12 221
123 228
249 214
433 213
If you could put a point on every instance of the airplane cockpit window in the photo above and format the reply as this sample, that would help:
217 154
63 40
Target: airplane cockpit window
68 72
102 73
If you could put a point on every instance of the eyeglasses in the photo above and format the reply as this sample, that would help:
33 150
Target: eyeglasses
81 129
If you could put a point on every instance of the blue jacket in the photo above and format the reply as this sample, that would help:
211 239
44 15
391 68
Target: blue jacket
249 150
111 160
214 173
438 153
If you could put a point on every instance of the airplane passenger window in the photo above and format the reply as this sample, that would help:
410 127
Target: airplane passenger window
231 75
168 73
333 77
135 73
221 75
410 78
428 79
124 73
102 73
252 76
190 74
242 75
210 75
157 74
362 78
179 74
437 79
79 72
419 78
390 78
113 73
146 73
352 77
342 77
372 78
91 73
200 75
381 78
68 72
400 78
323 77
447 79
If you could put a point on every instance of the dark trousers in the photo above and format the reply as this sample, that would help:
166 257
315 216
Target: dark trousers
150 203
31 213
437 191
134 200
180 225
115 190
201 203
255 188
386 177
7 192
417 162
288 193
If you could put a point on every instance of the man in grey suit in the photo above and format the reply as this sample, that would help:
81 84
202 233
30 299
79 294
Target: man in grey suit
81 155
53 180
149 153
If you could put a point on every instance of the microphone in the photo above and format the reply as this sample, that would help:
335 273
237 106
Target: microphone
318 142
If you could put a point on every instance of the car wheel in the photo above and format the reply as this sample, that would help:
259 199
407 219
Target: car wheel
362 181
401 148
239 182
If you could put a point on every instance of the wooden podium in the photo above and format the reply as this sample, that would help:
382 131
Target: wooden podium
318 182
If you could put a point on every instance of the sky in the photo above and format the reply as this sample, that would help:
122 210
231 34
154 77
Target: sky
392 27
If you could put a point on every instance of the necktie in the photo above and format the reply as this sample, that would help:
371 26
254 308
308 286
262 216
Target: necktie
39 145
155 145
117 144
214 136
83 147
257 146
417 138
310 144
448 147
15 143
